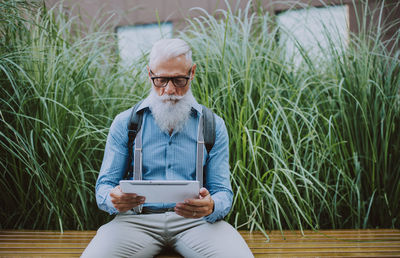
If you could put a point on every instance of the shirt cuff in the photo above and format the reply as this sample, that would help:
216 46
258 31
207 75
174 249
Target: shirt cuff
219 209
110 207
104 200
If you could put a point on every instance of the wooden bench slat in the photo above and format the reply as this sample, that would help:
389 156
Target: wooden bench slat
244 235
30 254
52 232
380 255
322 245
327 252
327 249
3 237
328 232
286 233
335 231
242 232
261 241
50 241
270 249
42 250
313 252
252 245
42 245
255 238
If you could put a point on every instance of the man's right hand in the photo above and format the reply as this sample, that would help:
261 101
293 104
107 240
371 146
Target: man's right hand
125 201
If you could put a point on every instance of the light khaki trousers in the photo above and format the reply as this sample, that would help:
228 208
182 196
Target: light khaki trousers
145 235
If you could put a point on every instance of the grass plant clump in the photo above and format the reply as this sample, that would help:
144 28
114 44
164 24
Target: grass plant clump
58 98
311 145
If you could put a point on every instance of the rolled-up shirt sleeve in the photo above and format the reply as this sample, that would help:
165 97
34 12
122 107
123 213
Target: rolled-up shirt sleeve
114 164
218 174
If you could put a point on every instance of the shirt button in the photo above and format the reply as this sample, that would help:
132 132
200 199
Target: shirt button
169 143
169 166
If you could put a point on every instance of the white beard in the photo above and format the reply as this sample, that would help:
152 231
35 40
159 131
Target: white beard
170 111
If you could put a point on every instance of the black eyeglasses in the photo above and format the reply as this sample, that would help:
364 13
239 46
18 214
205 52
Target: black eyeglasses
178 81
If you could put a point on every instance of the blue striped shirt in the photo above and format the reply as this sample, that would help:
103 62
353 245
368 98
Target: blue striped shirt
167 157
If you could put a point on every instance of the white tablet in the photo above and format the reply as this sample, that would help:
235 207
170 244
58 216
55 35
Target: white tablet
162 191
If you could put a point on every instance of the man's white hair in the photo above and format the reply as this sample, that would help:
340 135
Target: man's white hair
169 48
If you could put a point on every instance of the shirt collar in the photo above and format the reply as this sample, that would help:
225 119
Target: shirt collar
146 104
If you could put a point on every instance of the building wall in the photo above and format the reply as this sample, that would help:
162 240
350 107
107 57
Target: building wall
134 12
129 12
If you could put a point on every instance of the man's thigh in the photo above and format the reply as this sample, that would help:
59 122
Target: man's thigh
123 237
219 239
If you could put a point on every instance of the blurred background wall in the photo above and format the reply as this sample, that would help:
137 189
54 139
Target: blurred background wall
139 23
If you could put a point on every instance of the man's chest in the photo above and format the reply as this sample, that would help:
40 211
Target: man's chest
170 156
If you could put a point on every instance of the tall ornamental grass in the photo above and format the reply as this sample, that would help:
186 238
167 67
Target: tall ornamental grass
59 93
311 145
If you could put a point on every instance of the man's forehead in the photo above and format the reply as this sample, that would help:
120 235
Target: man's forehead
179 61
182 69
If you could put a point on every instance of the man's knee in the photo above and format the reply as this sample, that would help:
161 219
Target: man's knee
213 240
114 241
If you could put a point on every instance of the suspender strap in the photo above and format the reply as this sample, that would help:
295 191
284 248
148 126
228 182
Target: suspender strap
137 160
199 157
135 133
205 138
137 164
135 123
200 152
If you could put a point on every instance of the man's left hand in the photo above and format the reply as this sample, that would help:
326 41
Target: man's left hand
196 208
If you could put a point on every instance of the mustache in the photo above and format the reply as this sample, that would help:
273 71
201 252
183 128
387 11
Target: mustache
167 97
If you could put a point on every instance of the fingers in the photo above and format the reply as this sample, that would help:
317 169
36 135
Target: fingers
125 201
204 192
204 199
191 212
196 208
125 207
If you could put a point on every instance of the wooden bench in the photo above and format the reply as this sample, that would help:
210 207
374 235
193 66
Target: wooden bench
374 243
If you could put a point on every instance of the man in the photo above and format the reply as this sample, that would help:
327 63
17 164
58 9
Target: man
171 115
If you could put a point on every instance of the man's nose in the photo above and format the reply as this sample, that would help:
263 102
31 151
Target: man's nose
170 88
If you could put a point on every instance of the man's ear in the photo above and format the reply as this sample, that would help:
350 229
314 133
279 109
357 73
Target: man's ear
193 71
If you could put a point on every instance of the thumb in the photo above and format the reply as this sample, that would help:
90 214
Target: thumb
204 192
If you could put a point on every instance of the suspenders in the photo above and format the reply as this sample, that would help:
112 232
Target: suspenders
137 154
205 138
200 152
137 166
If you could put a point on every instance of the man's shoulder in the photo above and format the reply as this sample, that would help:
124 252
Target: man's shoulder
123 117
218 120
219 123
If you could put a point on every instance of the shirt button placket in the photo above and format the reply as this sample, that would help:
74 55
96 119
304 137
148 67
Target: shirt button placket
168 173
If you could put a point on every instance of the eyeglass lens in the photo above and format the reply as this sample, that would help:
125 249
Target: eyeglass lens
177 81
